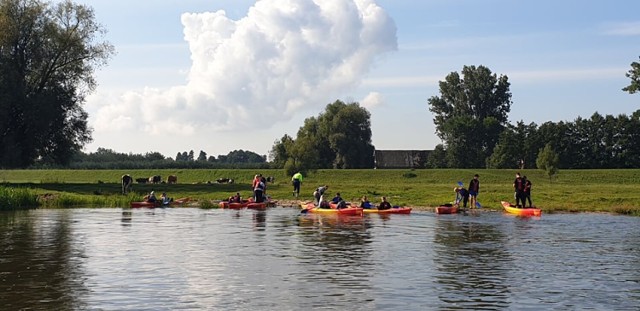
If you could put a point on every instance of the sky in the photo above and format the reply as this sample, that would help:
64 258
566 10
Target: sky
224 75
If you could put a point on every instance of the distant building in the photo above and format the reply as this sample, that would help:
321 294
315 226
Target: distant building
400 158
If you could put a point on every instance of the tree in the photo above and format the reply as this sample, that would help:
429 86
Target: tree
48 54
470 114
548 161
348 130
437 157
634 75
202 156
281 151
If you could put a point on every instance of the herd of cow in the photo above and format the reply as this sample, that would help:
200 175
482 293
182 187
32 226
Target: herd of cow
127 181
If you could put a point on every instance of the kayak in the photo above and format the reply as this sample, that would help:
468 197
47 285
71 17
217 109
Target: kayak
236 205
394 210
158 203
246 204
352 211
446 209
510 208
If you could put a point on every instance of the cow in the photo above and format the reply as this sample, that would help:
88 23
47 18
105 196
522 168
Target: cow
224 180
141 180
156 179
127 182
172 179
271 179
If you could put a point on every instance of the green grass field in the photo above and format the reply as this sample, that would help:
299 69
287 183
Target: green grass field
572 190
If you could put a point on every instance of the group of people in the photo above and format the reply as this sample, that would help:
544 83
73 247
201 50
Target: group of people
521 186
259 186
464 195
164 199
339 202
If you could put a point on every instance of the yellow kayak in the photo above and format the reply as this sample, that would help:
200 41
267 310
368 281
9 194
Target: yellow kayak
511 209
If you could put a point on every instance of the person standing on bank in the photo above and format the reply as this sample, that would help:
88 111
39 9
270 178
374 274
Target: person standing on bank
474 190
296 180
518 186
526 192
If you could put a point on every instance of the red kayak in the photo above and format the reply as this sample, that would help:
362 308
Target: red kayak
446 209
246 204
159 203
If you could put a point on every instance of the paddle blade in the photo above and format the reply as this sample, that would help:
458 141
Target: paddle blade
478 205
460 184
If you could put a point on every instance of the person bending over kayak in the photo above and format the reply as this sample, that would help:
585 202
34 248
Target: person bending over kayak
384 204
462 195
319 193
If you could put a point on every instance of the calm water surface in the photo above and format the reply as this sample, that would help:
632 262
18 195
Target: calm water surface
193 259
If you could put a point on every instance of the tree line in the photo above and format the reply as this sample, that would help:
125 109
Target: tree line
109 159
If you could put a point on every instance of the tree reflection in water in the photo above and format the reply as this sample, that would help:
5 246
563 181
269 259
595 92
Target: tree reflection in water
41 270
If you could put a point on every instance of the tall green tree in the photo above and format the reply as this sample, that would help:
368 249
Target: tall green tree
48 54
470 114
634 75
347 128
340 137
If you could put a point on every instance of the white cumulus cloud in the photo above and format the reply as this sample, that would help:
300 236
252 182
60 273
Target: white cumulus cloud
372 100
284 56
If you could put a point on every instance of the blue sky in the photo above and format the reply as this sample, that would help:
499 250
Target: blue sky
237 80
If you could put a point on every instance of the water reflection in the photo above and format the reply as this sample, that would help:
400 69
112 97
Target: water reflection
192 259
40 262
470 258
335 259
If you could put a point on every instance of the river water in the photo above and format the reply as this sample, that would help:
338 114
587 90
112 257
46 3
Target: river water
194 259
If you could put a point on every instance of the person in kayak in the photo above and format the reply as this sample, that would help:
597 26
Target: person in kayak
384 204
337 198
322 203
151 198
165 199
235 198
364 202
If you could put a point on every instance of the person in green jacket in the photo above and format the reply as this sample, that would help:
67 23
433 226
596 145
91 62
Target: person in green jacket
296 180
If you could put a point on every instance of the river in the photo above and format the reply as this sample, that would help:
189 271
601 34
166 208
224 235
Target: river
195 259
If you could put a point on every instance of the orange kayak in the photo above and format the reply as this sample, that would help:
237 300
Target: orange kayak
446 209
512 209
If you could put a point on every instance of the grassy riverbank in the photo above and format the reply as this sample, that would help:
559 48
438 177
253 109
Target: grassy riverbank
572 191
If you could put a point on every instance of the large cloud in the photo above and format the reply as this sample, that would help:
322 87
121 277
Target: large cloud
285 55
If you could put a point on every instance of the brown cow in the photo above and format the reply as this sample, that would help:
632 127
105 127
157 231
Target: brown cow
172 179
